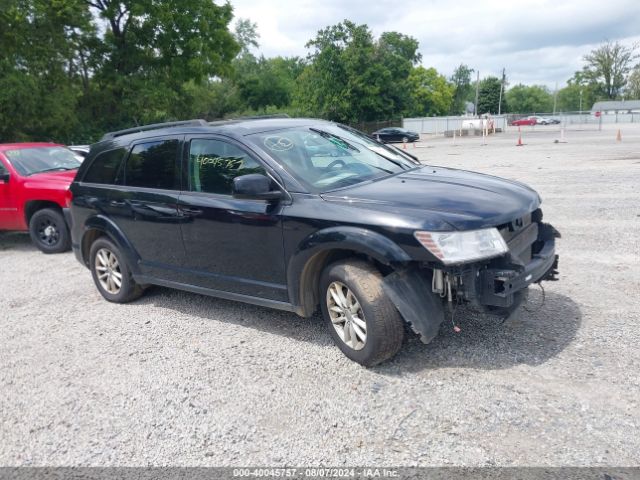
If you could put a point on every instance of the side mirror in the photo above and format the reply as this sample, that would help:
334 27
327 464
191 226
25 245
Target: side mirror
255 186
4 177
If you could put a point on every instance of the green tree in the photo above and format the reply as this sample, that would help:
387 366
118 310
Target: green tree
350 77
430 93
397 53
529 99
608 67
569 96
246 34
211 100
489 96
41 49
150 50
263 82
576 97
633 84
462 89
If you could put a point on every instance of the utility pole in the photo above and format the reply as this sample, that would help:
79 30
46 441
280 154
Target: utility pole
555 98
580 100
475 108
500 97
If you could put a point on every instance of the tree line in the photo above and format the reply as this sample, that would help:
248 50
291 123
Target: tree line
71 70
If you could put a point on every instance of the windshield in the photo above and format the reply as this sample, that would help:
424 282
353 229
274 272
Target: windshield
28 161
327 157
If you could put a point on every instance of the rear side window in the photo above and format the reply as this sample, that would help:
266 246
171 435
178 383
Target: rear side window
154 165
105 167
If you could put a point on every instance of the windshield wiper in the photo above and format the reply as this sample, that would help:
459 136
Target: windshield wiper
332 136
383 146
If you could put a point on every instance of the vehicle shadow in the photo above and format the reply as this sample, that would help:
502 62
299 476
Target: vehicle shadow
485 342
536 335
16 241
263 319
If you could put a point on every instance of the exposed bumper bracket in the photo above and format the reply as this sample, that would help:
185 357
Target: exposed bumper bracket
497 286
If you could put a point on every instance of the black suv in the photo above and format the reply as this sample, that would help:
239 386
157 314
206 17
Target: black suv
297 214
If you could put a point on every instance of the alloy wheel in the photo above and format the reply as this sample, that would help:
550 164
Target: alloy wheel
48 232
346 315
108 271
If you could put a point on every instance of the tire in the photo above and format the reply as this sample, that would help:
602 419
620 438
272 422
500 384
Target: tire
105 258
405 139
49 231
384 329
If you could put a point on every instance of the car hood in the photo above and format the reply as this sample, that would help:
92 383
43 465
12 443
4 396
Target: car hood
62 178
444 198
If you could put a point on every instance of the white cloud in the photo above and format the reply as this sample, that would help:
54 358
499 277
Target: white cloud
538 42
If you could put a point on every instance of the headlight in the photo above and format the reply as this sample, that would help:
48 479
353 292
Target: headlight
461 247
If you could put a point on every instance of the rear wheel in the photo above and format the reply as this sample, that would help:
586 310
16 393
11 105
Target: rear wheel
111 273
49 231
362 320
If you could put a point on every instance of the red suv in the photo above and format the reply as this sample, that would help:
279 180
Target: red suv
34 192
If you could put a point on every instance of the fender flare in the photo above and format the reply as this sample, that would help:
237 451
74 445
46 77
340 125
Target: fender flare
111 230
360 240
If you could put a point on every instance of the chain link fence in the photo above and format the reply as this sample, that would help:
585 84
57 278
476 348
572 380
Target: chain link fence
447 125
370 127
585 120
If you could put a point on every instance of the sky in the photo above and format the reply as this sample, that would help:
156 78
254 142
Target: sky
537 42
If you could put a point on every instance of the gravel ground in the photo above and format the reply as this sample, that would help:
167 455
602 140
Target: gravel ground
180 379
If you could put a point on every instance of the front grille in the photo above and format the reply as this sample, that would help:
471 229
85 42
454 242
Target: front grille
520 235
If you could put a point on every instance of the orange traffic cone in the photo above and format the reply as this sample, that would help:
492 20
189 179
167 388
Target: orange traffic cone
519 144
619 136
404 145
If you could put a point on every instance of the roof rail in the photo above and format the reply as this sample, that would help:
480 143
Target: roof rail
154 126
262 117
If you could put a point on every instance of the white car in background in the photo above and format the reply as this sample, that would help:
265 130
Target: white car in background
546 120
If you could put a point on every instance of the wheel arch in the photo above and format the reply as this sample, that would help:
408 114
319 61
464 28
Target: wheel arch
100 226
329 245
32 206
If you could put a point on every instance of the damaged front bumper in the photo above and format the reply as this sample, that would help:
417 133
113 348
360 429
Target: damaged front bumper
497 286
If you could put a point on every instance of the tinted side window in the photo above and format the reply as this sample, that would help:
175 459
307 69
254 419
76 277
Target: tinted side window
213 164
105 167
153 165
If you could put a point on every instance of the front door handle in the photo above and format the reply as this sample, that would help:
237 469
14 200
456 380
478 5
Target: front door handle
190 212
117 203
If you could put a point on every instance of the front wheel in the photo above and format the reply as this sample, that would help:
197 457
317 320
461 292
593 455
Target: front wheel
362 320
49 231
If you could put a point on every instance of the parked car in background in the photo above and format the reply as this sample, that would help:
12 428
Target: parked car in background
80 150
34 192
524 121
547 121
301 215
396 134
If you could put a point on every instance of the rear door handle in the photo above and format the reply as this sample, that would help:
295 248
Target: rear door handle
117 203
